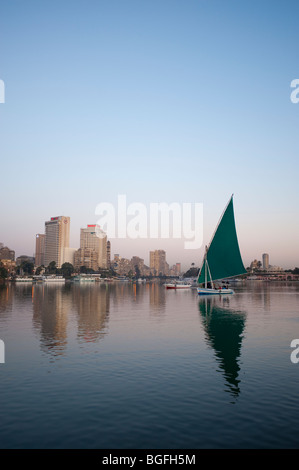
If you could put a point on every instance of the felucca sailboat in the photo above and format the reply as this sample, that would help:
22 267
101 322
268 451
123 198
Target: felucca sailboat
222 258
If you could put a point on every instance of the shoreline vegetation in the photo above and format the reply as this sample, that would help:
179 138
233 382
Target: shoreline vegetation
27 271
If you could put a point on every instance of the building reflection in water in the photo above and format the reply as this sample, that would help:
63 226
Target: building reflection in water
91 303
267 302
224 332
157 297
57 308
51 306
6 300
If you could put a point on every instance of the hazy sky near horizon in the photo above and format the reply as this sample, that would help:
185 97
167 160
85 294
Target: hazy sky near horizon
160 100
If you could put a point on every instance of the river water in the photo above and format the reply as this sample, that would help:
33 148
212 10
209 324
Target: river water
126 366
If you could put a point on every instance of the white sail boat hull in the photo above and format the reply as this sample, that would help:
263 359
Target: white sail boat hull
210 291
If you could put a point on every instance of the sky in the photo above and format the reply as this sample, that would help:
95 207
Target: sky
159 100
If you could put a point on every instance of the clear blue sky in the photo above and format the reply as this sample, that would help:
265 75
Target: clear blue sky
161 100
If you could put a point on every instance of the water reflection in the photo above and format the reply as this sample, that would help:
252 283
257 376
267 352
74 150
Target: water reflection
224 330
6 300
92 304
54 307
51 307
157 297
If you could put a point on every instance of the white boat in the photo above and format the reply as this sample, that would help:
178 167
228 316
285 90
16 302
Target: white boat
178 285
122 279
222 259
38 278
53 278
236 281
23 279
215 290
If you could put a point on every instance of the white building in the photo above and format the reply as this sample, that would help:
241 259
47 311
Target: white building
39 249
69 255
57 237
93 239
265 261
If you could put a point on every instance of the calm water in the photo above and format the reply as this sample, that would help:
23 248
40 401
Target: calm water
138 367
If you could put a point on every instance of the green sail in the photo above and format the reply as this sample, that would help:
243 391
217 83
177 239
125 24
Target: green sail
223 254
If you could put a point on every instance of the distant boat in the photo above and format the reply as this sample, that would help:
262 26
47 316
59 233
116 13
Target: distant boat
235 280
222 259
53 278
24 279
178 285
88 278
122 279
38 278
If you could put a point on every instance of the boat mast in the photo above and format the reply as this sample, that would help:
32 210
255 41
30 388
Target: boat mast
212 283
207 270
206 273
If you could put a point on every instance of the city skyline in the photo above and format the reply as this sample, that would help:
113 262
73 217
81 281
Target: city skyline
94 251
143 248
149 226
162 101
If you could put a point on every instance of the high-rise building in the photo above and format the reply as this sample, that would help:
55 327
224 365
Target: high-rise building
69 255
265 261
93 248
175 270
158 264
137 265
57 237
108 254
7 253
39 249
86 257
24 258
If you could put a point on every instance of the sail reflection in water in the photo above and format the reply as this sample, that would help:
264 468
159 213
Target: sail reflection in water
224 331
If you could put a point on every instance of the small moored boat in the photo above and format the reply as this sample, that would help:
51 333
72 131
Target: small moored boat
178 285
23 279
